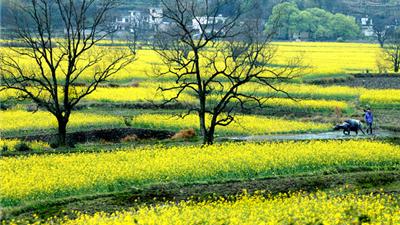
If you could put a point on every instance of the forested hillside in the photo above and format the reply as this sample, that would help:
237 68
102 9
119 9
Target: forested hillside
355 8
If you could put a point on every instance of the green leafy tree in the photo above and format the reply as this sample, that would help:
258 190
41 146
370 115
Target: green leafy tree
344 26
286 13
304 22
318 23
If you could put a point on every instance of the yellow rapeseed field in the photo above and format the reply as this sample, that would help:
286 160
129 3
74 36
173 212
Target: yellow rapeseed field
15 121
142 69
331 58
244 124
306 91
9 145
304 105
39 177
374 97
19 120
134 94
321 58
307 105
294 208
143 92
311 95
379 98
147 94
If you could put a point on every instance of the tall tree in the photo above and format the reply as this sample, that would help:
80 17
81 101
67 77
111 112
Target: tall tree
214 58
285 14
53 61
382 28
318 23
392 50
344 27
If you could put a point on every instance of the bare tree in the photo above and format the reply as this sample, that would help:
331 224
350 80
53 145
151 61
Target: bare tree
214 58
59 53
392 50
382 28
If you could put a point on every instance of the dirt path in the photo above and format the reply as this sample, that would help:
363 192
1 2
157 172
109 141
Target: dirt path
372 82
314 136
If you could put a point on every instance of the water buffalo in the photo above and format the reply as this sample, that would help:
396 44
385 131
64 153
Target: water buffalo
350 125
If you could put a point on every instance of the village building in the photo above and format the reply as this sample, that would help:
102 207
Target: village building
201 24
367 26
144 19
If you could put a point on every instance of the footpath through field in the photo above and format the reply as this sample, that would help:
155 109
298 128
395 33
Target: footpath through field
313 136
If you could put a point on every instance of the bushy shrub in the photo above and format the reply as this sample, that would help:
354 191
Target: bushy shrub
22 147
53 142
4 148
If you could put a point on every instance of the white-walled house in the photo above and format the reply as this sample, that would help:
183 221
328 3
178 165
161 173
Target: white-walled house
367 27
200 23
148 19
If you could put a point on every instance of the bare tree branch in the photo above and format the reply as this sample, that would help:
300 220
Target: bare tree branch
213 57
392 50
61 58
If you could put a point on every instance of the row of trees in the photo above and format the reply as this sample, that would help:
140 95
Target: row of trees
383 18
320 25
213 66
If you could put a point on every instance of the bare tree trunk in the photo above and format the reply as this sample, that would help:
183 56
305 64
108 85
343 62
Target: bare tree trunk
62 131
392 50
209 140
381 43
202 117
381 40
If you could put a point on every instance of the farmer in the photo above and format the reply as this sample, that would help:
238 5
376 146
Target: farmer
369 119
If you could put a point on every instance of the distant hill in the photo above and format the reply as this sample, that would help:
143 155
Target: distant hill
351 7
140 3
372 7
355 8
